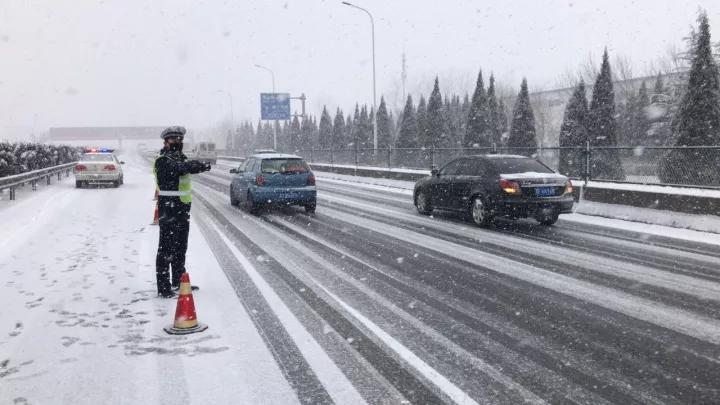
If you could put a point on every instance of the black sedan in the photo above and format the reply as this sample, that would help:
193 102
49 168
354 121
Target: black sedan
486 186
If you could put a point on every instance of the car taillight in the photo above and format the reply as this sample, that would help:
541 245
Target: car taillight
79 168
110 168
311 180
260 180
510 187
568 187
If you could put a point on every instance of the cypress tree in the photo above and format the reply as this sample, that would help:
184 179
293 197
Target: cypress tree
641 124
697 121
259 136
356 128
573 134
408 137
450 112
493 129
463 120
349 137
421 119
338 131
293 140
602 128
502 121
305 138
660 115
476 128
384 125
229 140
435 129
522 129
325 132
364 126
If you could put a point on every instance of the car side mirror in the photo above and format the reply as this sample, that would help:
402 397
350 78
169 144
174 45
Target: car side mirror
234 171
435 172
122 162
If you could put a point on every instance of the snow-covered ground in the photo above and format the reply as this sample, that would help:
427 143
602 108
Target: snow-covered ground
702 228
81 323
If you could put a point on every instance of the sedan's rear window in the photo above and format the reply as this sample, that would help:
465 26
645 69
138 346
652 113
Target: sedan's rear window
284 165
519 165
95 157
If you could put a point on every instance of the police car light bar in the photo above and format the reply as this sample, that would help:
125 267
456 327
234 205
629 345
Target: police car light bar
99 150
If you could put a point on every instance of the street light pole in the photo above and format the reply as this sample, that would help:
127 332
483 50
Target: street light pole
272 75
232 114
372 26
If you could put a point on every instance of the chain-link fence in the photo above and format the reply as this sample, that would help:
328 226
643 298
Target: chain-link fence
697 166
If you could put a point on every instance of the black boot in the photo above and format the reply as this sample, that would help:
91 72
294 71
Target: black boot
167 294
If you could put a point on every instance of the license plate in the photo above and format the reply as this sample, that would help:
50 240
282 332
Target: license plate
544 191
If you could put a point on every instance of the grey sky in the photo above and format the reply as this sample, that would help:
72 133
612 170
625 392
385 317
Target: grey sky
67 63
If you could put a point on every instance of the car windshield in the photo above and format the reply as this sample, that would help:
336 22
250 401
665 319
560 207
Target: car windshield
284 166
519 165
96 157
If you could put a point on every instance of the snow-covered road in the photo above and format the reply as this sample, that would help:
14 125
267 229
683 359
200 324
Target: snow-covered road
364 302
80 320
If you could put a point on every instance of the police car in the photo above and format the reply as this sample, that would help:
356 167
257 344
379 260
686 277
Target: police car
98 166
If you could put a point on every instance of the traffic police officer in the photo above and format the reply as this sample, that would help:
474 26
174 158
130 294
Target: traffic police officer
172 176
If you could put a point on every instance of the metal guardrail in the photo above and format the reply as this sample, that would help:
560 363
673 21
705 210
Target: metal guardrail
685 166
19 180
232 158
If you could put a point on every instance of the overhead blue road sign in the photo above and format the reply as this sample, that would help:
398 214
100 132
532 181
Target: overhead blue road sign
275 106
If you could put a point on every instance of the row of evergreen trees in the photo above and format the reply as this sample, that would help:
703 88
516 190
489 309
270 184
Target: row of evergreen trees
16 158
595 124
693 119
436 122
340 132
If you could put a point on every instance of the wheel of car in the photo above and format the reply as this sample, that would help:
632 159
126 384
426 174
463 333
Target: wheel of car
233 201
116 183
78 184
122 180
548 220
310 208
250 205
480 212
422 203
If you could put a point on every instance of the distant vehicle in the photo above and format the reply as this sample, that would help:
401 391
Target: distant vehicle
486 186
273 179
203 151
98 166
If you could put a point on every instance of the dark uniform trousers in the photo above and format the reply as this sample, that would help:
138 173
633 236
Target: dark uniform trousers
174 228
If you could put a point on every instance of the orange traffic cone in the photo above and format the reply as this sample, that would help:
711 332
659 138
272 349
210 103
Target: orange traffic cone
185 318
156 216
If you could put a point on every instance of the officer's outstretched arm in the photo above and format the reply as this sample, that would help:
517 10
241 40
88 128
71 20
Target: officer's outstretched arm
182 168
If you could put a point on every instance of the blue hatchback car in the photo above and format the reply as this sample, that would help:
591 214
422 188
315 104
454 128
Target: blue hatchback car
273 179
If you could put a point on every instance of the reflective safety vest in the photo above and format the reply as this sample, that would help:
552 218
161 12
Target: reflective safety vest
184 190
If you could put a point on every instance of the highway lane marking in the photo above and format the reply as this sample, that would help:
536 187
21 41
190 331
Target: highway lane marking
442 383
679 320
332 378
486 368
450 389
701 288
